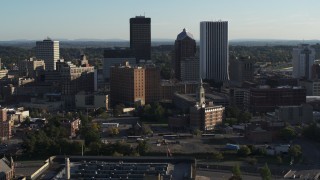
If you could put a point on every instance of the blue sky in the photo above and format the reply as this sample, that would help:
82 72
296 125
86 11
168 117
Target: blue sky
109 19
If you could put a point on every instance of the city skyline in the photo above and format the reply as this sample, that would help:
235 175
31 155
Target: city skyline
248 19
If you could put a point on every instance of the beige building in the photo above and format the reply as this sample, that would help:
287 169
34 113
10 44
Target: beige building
3 73
28 67
7 169
91 101
205 116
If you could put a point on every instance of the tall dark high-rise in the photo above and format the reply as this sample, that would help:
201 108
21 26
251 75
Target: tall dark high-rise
185 47
140 37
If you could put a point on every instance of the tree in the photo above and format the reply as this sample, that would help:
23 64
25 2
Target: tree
279 160
146 130
265 172
142 147
288 133
118 109
236 172
196 132
218 156
295 150
113 131
244 117
244 151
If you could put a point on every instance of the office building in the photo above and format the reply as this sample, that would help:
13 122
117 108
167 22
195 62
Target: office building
265 99
184 47
127 85
303 58
74 79
135 84
113 57
140 37
241 69
190 69
214 50
29 67
312 87
49 51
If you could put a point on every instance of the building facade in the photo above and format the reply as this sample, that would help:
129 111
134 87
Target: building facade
113 57
303 58
205 116
214 50
127 85
91 101
49 51
266 99
190 69
312 87
241 69
140 37
184 47
28 67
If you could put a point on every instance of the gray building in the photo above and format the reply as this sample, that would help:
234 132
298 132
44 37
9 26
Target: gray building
303 58
48 50
293 114
214 50
241 69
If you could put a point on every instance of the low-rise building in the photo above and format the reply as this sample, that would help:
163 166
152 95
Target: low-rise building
265 99
91 101
7 169
292 114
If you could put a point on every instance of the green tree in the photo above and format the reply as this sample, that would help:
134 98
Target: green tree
295 150
288 133
118 109
244 117
196 132
265 172
279 160
113 131
218 156
142 147
236 172
244 151
146 130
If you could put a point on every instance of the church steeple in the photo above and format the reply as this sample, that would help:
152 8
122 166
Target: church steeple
201 94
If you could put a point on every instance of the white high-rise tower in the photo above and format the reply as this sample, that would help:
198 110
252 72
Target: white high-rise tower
214 50
48 50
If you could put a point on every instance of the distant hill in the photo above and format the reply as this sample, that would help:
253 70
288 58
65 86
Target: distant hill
105 43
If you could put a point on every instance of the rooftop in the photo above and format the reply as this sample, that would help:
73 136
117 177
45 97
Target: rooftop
184 34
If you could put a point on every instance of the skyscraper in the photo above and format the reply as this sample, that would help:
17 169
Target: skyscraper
48 50
140 37
185 47
302 60
214 50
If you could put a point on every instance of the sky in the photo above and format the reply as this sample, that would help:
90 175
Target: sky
109 19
